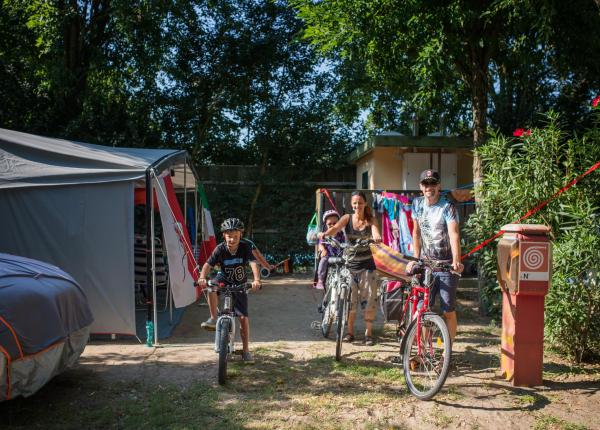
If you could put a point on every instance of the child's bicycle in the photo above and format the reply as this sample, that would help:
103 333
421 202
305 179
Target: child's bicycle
426 347
336 301
225 327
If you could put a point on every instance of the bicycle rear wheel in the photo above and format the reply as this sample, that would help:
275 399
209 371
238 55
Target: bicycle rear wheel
425 371
342 315
223 350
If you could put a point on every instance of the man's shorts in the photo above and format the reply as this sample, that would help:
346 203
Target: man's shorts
444 283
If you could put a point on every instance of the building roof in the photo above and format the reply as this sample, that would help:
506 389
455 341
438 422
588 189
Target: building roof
398 140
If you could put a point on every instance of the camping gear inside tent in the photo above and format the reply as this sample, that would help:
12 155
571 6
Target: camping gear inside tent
44 324
72 204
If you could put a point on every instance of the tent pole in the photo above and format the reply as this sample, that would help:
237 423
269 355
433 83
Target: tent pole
185 191
149 234
154 301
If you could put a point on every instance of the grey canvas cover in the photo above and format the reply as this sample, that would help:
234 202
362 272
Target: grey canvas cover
44 324
71 204
39 305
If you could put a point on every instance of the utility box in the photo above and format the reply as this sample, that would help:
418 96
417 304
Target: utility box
524 273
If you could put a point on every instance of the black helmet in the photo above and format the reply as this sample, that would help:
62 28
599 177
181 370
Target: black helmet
232 224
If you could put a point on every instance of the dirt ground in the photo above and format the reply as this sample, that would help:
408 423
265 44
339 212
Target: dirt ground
475 395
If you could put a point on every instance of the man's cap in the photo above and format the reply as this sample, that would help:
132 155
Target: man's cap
430 175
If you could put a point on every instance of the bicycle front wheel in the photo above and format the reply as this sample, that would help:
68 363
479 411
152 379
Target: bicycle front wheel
328 311
223 349
342 315
426 361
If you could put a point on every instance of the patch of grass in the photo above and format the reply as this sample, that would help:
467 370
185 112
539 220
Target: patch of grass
452 394
549 422
122 406
377 371
438 418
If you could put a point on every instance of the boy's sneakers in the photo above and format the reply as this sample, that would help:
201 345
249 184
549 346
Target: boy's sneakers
210 324
247 357
319 285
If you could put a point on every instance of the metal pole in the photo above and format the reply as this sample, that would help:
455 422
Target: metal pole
149 234
153 248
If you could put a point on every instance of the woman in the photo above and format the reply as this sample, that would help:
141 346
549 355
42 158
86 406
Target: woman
362 224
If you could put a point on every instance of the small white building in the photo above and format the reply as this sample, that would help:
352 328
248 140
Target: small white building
393 161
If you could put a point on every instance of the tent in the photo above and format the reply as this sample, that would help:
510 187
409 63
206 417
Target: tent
44 324
72 204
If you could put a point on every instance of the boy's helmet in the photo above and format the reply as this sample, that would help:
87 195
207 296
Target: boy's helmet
329 213
232 224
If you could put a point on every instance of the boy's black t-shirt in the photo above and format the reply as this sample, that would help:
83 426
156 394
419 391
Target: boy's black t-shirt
233 266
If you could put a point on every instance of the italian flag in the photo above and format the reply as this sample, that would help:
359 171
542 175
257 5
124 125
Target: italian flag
209 240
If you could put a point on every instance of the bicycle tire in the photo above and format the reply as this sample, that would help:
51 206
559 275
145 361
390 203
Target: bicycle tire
223 350
328 313
426 373
342 314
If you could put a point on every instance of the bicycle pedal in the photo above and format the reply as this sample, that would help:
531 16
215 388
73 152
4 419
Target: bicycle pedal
315 325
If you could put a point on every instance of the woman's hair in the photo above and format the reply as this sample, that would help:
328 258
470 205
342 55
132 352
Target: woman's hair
368 213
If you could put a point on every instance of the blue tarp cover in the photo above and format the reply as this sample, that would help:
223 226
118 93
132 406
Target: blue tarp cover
40 305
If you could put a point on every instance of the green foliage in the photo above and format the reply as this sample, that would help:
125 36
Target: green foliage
519 174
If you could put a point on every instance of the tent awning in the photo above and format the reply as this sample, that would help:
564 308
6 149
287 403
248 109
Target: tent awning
28 160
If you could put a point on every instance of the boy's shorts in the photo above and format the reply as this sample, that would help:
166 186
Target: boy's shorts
240 301
445 283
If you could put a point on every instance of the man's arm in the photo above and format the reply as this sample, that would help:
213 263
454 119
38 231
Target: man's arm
454 234
416 238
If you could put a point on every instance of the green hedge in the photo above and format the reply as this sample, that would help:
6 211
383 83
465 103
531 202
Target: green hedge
521 172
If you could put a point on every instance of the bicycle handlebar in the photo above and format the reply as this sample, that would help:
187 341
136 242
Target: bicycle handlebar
213 286
333 241
435 266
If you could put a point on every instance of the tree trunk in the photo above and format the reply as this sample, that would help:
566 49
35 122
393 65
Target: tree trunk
479 102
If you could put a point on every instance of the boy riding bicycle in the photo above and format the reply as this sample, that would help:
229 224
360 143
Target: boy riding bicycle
232 255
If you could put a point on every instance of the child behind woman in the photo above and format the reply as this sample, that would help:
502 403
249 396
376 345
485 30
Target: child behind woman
330 218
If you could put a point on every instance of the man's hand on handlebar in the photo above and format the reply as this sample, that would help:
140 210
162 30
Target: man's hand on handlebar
256 285
458 267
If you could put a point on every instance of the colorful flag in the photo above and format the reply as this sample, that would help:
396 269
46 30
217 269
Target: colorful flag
209 240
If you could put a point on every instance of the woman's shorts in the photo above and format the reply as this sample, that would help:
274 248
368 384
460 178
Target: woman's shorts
364 293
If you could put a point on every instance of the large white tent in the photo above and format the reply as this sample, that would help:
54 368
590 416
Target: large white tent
72 204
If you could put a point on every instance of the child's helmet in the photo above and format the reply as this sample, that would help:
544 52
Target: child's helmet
329 213
231 224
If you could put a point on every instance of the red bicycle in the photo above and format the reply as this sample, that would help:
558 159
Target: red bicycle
425 347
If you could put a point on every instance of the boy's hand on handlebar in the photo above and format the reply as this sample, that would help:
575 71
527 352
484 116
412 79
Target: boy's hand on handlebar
321 235
201 282
377 238
256 285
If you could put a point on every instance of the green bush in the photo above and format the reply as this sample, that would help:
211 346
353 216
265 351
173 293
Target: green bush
520 173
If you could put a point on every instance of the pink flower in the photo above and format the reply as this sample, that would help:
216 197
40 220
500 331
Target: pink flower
520 132
596 101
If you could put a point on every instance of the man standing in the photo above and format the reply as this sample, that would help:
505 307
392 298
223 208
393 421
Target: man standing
436 237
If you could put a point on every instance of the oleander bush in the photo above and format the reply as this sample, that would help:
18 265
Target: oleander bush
522 171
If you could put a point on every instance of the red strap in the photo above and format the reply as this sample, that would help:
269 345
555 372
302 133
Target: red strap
326 192
535 209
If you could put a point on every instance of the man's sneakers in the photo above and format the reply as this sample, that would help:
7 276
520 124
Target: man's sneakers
319 285
247 357
210 324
